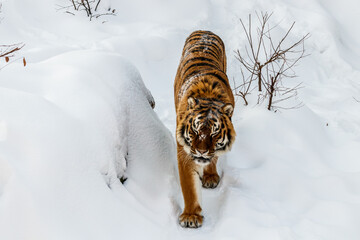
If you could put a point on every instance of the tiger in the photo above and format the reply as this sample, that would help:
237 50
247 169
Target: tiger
204 105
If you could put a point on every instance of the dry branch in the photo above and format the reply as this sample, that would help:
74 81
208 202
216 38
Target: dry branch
8 51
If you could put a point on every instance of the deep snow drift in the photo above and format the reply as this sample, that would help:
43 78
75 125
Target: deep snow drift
78 116
69 127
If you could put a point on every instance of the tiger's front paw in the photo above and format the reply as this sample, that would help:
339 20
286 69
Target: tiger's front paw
210 180
190 220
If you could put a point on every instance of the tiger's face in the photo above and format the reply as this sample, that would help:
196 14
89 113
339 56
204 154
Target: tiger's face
206 129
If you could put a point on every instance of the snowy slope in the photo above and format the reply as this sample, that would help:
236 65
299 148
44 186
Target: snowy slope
70 118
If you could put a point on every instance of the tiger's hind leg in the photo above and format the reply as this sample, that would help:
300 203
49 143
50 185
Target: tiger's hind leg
210 178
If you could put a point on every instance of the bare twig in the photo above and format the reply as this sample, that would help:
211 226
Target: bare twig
97 5
73 4
8 52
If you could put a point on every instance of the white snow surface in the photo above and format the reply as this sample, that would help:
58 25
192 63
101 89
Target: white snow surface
78 116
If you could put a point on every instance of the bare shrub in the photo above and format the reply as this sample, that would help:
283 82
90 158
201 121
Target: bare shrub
268 63
89 6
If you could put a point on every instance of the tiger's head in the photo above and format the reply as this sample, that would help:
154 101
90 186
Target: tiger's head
205 129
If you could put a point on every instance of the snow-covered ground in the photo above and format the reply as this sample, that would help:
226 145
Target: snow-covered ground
78 116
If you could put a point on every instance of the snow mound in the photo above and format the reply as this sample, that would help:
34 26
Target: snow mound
71 126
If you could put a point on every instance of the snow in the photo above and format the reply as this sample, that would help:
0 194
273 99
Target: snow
78 116
68 134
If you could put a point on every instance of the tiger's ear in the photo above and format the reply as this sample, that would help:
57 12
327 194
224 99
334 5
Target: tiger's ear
191 102
228 109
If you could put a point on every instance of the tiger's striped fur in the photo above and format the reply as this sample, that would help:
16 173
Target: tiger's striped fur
204 105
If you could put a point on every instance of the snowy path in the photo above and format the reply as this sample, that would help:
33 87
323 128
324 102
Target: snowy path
290 175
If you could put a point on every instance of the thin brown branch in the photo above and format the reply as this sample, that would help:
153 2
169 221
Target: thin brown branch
9 49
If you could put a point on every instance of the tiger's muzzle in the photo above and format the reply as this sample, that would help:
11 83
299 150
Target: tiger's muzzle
202 156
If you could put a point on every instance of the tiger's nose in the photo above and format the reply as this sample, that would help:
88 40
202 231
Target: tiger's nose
202 152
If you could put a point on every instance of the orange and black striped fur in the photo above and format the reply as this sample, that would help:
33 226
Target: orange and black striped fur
204 105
